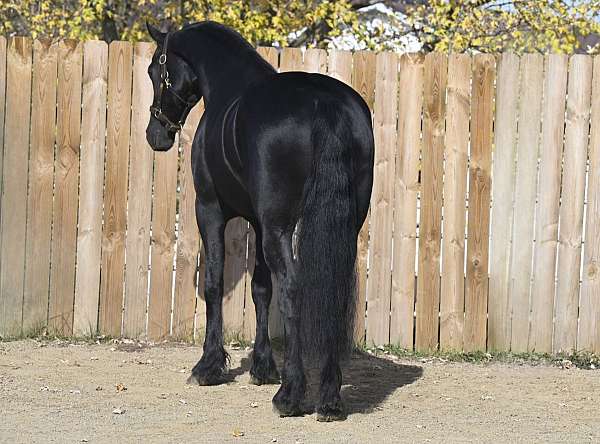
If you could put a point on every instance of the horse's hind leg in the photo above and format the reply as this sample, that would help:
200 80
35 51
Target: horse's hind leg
330 406
277 247
211 367
264 370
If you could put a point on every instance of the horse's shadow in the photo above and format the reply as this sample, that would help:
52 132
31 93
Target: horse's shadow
368 380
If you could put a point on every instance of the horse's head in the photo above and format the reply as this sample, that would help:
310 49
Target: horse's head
175 92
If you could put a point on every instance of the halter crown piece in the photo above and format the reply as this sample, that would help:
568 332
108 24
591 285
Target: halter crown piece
165 84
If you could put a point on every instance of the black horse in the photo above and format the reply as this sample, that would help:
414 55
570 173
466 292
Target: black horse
293 154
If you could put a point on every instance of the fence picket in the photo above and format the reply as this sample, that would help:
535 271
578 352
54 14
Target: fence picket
571 209
589 307
503 173
188 239
340 65
115 187
66 184
234 277
385 117
452 302
406 188
93 143
41 179
430 226
479 202
137 242
530 111
14 178
363 81
546 237
2 106
315 60
291 60
163 242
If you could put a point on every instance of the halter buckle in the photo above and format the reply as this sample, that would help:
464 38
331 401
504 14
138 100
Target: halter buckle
162 59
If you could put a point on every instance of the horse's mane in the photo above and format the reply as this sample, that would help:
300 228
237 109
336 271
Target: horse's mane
231 39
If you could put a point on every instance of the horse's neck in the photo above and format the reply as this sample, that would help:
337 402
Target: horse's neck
222 76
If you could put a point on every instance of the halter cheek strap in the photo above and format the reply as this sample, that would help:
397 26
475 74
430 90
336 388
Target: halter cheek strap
165 85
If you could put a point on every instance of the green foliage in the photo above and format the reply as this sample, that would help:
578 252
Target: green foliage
260 22
578 359
442 25
518 25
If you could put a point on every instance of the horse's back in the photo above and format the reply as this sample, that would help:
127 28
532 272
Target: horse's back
277 122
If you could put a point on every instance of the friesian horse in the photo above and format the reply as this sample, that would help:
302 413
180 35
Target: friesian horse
292 153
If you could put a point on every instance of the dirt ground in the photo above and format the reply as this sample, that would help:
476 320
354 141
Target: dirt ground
61 392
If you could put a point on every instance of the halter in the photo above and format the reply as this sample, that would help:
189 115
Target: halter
165 84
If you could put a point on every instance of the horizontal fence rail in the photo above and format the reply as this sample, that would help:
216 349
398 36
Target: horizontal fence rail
483 231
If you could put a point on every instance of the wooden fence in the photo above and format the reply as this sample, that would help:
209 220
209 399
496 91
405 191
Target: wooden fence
484 228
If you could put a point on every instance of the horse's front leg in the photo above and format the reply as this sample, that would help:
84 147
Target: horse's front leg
289 399
212 366
264 370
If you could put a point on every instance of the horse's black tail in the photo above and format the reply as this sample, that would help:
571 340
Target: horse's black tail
326 244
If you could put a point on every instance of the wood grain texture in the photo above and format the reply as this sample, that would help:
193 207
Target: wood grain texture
270 54
66 187
41 181
291 60
141 157
546 221
530 113
452 302
2 105
406 189
363 81
14 178
589 306
249 329
234 276
503 189
385 117
430 226
163 243
115 187
340 65
188 239
93 143
572 197
479 202
315 60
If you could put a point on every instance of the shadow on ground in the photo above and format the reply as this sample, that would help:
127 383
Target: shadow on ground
368 380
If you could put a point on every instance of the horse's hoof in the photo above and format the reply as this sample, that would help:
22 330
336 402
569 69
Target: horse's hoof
286 410
272 378
209 379
286 407
330 413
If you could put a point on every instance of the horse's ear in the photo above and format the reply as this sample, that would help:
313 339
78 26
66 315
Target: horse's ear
155 33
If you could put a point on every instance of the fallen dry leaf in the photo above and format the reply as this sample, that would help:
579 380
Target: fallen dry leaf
121 387
119 411
237 433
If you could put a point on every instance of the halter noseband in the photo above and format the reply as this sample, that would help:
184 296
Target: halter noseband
165 84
